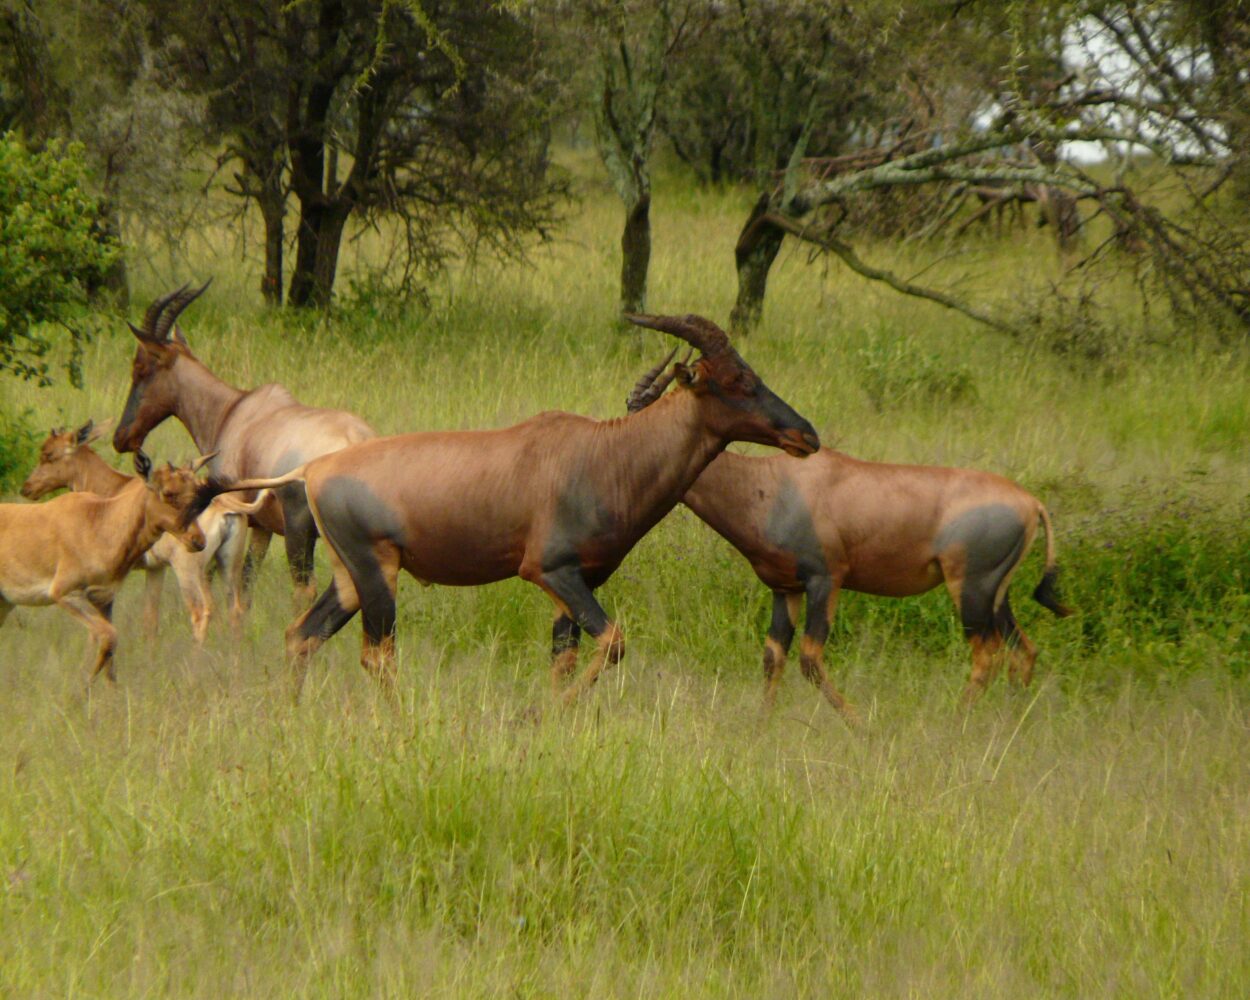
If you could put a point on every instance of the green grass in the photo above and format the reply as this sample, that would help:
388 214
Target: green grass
192 833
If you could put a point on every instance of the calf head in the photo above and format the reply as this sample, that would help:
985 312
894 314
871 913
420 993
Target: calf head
59 456
153 390
171 495
735 402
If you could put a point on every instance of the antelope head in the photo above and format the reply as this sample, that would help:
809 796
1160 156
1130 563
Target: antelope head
58 458
736 403
152 390
171 493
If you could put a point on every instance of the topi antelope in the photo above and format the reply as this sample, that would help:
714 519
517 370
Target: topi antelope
832 522
66 461
558 500
75 550
259 432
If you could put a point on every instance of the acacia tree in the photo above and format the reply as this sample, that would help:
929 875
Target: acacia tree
433 113
1000 97
622 54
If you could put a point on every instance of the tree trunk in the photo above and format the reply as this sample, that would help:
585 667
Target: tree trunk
757 248
116 280
636 255
272 208
300 292
317 254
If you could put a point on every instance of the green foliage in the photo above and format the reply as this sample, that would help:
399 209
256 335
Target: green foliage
18 440
896 371
51 251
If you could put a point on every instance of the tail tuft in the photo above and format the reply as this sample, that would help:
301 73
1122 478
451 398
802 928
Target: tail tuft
1047 593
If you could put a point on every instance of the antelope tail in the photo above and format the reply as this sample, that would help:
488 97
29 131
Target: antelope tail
1047 591
212 488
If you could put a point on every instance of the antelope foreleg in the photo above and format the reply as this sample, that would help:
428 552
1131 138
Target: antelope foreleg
777 644
566 636
567 587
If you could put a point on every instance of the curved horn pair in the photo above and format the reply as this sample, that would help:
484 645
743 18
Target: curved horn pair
700 333
651 386
161 314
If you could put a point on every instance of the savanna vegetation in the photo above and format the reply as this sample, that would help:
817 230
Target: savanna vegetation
190 831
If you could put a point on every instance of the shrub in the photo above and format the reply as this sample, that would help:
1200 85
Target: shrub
18 440
52 248
894 372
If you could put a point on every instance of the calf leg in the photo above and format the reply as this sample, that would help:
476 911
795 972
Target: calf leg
574 598
822 597
95 616
191 572
777 644
153 583
231 558
566 636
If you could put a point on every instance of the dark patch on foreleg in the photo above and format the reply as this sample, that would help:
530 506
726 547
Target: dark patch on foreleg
566 585
777 643
566 637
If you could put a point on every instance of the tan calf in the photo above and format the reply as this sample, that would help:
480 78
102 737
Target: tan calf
66 461
75 550
830 522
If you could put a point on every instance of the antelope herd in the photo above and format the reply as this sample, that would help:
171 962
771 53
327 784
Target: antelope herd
558 500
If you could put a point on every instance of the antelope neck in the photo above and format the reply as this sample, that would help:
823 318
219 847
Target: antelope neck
202 401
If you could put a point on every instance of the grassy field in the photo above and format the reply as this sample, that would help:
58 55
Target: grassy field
190 832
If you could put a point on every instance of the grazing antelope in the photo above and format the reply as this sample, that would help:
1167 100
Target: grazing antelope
558 500
66 461
260 432
832 522
75 550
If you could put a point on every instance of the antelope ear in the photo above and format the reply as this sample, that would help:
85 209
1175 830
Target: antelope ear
203 460
96 432
143 465
177 336
686 375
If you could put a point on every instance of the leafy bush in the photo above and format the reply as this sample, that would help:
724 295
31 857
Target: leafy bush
51 249
18 440
894 372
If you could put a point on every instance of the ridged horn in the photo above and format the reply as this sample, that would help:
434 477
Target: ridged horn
177 302
697 331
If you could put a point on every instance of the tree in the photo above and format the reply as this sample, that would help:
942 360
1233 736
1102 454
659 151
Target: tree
1000 96
622 53
432 113
51 250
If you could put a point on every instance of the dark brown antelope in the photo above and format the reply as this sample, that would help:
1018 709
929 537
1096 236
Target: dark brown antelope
832 522
66 461
258 432
75 550
558 500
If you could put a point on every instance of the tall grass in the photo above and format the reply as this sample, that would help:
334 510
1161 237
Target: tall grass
192 833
